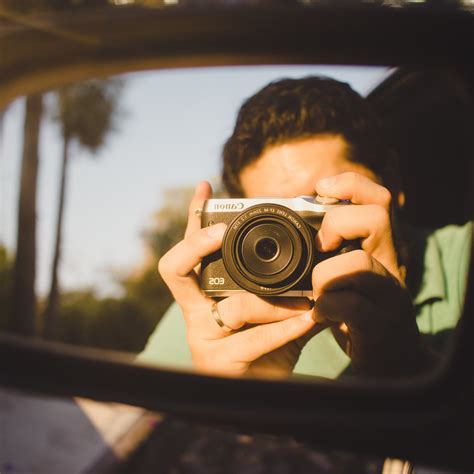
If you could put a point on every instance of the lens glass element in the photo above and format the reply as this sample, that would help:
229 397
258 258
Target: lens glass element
267 249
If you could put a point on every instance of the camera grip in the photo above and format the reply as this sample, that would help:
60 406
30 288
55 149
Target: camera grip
349 246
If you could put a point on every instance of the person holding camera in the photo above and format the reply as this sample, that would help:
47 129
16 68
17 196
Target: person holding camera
314 137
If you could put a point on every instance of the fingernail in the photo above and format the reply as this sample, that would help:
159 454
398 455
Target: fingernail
216 231
327 183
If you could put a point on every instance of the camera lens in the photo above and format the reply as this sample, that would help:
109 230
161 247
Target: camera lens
267 249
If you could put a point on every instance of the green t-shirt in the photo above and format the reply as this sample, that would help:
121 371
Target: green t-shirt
444 258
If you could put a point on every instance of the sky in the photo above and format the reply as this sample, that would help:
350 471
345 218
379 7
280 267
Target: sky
170 133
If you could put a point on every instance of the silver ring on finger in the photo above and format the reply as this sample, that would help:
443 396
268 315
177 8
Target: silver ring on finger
217 318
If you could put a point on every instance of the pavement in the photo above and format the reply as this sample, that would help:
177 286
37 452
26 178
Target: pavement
57 436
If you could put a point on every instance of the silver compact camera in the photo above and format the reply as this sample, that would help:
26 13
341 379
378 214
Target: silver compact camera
268 247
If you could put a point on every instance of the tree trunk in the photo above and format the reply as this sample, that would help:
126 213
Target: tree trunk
50 313
23 300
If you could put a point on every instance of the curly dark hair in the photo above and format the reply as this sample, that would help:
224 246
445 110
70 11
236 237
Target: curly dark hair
293 109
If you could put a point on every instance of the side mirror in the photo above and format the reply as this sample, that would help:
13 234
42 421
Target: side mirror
424 419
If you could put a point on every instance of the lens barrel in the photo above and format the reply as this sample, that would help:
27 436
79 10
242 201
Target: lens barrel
268 249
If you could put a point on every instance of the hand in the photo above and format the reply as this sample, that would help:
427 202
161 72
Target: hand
268 333
365 289
368 220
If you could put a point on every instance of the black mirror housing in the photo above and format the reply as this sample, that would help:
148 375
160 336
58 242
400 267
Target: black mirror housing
427 420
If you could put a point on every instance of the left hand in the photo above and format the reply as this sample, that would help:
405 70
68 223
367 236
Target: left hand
365 288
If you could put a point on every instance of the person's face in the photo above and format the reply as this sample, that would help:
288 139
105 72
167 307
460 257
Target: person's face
292 169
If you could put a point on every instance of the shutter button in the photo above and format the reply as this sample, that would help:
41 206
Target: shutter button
325 200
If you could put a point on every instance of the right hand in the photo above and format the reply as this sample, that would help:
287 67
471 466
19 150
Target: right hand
268 333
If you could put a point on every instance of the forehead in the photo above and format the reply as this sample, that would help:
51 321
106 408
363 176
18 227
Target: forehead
293 168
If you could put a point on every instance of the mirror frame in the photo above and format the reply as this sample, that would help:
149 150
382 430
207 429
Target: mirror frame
425 421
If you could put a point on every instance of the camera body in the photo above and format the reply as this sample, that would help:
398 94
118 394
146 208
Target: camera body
268 247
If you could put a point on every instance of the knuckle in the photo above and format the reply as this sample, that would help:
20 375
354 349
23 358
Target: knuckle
196 239
353 179
331 226
246 304
351 176
385 197
163 265
381 216
318 276
328 219
315 273
235 310
362 260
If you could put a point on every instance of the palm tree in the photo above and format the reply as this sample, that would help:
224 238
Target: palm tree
86 113
22 315
23 300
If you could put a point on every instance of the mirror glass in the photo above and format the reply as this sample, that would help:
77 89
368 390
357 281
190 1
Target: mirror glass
96 179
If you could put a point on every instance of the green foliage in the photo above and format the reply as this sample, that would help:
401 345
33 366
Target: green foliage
110 323
169 221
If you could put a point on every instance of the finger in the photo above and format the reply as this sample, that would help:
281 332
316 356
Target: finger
369 223
352 270
176 266
253 343
247 308
202 192
360 312
333 273
355 187
350 307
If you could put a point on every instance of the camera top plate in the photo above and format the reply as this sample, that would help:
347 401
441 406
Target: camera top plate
301 204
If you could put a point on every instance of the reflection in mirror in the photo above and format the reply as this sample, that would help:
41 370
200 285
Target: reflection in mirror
97 179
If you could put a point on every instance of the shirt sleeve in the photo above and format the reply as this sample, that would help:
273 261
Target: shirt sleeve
449 252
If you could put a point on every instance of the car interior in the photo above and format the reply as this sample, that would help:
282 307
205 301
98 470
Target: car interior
427 103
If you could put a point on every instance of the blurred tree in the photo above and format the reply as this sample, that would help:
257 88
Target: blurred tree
87 113
6 267
169 222
22 313
108 323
